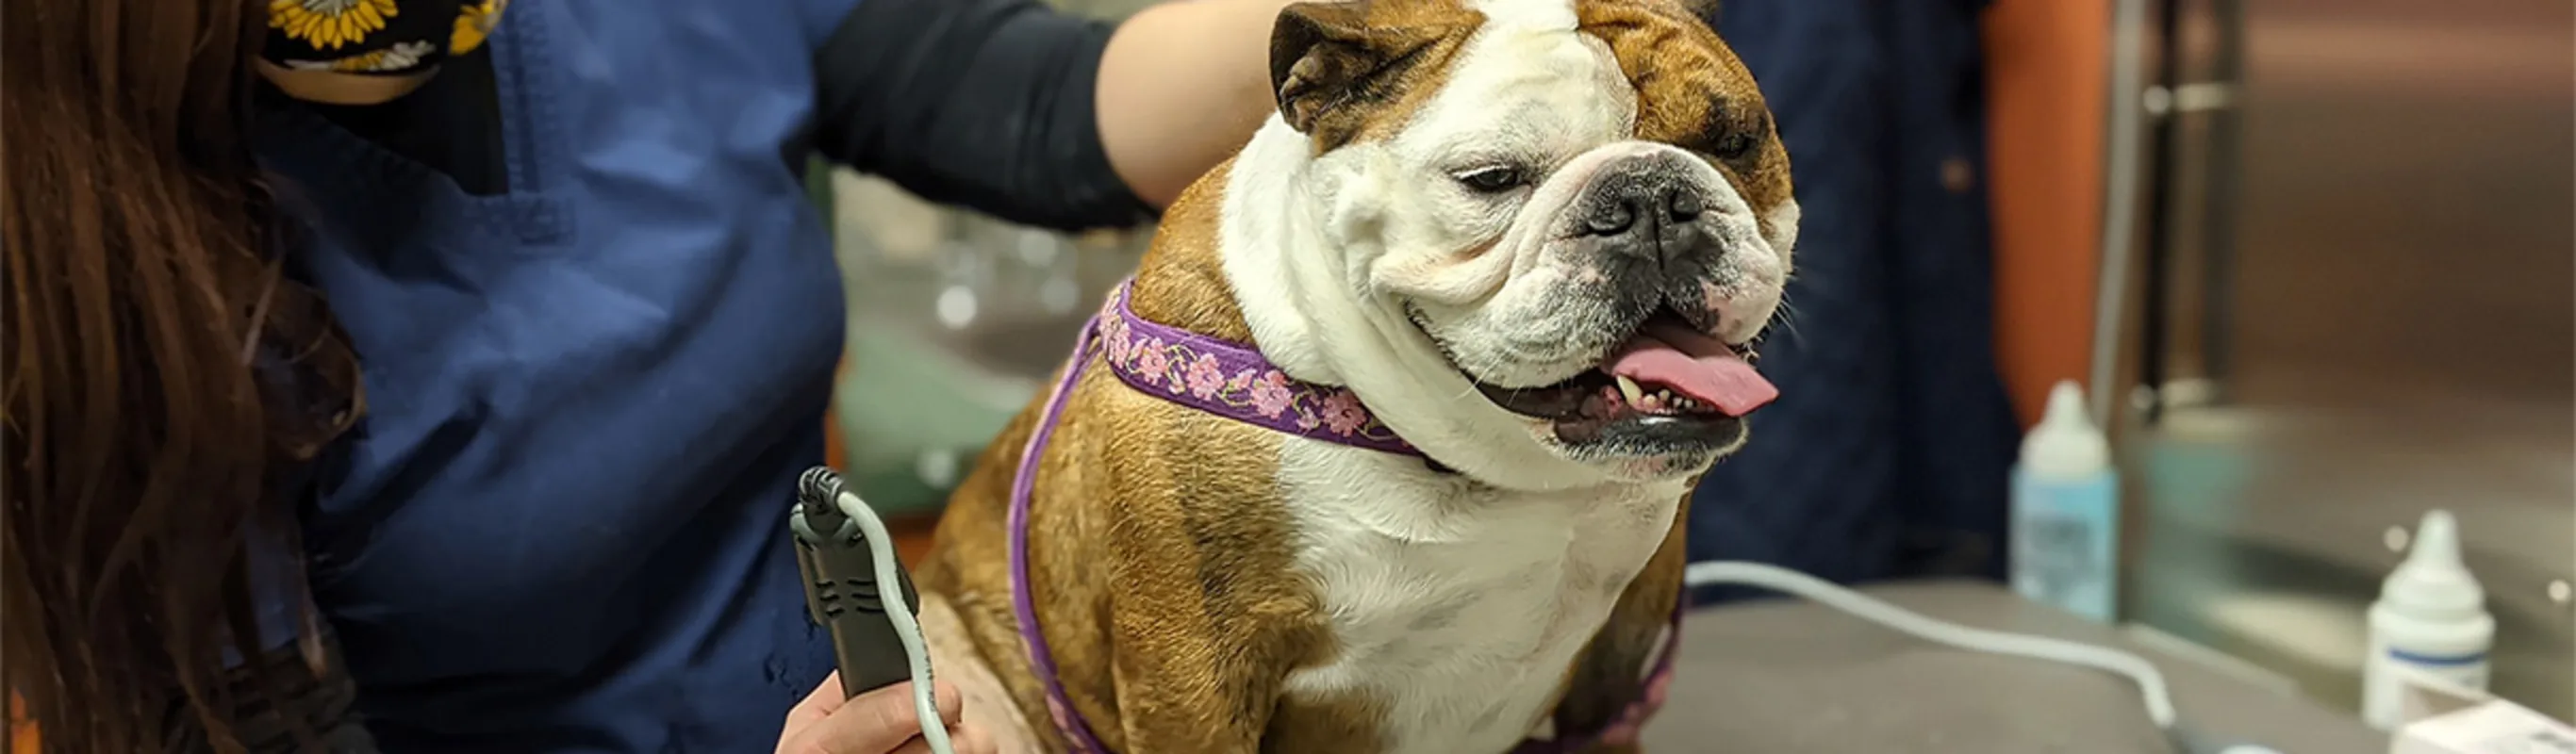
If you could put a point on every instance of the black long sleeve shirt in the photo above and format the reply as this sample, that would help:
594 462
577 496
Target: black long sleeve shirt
982 104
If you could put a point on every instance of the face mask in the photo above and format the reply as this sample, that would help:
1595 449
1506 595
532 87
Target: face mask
375 37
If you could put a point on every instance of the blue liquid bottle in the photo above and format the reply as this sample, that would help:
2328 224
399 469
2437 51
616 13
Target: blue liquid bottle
2066 512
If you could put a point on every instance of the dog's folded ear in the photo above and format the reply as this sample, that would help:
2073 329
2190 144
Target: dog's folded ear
1320 55
1331 61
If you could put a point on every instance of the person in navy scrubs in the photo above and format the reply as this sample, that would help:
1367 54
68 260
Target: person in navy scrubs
595 318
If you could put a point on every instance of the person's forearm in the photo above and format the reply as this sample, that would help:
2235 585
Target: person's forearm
1182 86
984 104
1041 117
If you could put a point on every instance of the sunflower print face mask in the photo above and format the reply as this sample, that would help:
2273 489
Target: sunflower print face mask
376 37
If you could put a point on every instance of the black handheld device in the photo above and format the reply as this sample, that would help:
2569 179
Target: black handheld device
843 591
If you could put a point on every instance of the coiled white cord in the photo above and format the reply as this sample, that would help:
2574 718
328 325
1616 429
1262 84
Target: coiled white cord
2151 683
925 704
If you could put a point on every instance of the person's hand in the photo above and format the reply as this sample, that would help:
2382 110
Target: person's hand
877 722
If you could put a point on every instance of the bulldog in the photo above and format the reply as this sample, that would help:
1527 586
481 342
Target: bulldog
1387 445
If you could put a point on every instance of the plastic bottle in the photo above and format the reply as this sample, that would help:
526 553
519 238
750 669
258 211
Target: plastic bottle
2066 511
2431 619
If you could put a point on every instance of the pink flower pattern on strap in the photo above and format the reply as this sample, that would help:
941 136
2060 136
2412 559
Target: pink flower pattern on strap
1206 376
1342 412
1269 393
1114 333
1179 366
1152 358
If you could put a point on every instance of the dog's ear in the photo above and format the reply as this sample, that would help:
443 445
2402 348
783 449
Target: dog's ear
1334 64
1320 53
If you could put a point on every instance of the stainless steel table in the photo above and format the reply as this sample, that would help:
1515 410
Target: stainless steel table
1785 676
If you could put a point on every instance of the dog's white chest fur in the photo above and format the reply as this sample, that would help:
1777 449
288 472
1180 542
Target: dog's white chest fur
1458 607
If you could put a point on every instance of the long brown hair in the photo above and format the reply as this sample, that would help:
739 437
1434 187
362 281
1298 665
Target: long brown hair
146 435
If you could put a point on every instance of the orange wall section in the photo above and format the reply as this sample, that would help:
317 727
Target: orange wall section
2046 82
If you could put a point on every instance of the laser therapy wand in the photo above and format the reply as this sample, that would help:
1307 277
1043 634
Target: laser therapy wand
844 587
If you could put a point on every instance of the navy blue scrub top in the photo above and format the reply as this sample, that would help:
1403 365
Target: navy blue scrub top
1887 453
560 525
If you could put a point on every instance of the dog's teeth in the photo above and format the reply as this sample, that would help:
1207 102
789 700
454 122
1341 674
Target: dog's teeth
1629 389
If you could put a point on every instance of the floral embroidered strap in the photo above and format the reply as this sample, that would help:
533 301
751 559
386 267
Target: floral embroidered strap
1234 381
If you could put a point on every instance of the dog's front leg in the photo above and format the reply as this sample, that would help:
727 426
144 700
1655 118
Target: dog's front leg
1606 690
1198 658
1178 696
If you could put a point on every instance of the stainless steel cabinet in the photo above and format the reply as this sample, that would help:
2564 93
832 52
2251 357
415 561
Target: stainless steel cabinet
2350 300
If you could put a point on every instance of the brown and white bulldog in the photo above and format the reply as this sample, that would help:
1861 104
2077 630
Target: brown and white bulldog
1536 238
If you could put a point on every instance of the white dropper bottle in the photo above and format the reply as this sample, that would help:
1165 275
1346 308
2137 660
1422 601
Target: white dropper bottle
2066 511
2431 619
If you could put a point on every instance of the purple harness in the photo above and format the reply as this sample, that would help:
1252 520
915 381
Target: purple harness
1234 381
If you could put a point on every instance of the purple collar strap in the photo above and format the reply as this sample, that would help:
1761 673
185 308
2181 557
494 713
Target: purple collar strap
1231 380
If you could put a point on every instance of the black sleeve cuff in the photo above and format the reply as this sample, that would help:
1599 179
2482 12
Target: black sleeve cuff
985 104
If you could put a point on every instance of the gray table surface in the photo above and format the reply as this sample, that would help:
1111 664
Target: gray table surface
1792 676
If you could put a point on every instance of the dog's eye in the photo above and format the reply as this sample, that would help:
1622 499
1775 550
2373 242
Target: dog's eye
1491 180
1736 146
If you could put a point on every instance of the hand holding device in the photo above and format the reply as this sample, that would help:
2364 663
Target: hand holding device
848 560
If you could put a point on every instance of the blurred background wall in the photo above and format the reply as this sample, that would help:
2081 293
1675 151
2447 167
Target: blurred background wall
955 319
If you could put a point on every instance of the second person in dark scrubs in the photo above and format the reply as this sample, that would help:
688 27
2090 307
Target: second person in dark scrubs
597 321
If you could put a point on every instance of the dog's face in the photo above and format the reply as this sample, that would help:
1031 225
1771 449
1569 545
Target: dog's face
1581 205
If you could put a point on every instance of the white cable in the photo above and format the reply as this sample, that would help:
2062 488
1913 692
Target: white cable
2151 684
925 704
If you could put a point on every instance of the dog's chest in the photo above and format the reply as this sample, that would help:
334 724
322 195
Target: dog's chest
1460 610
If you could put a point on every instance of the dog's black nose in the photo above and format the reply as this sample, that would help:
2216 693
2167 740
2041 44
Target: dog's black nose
1666 202
1643 213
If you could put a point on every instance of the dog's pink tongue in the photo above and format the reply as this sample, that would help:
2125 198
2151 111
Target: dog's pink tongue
1694 365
